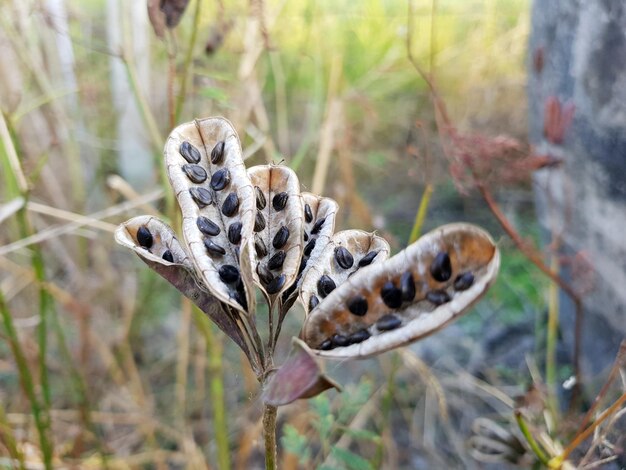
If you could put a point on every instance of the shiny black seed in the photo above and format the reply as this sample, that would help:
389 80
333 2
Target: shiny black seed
391 295
367 259
464 281
358 336
306 237
313 302
318 226
220 179
264 274
308 214
276 261
195 173
438 297
339 341
325 285
358 305
276 284
407 286
260 248
228 273
308 248
231 204
326 345
281 237
259 222
189 152
167 256
441 268
213 247
207 226
234 233
144 237
343 257
280 201
217 154
388 322
260 198
201 196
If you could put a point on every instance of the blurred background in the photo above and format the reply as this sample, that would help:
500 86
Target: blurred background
102 365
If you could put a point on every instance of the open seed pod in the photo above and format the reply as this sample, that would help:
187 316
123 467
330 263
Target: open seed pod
157 246
206 170
277 226
409 296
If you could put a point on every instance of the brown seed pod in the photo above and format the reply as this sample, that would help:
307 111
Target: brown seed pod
329 273
422 304
227 202
278 202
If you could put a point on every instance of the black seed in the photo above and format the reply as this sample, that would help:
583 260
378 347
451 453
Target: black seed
464 281
358 336
264 274
217 154
201 196
391 295
308 214
407 286
228 273
234 233
367 259
189 152
276 261
207 226
213 247
231 204
388 322
276 284
358 306
280 201
281 237
220 179
144 237
260 198
306 237
325 285
318 226
326 345
339 341
313 302
259 222
195 173
438 297
167 256
343 257
308 248
441 268
260 248
240 297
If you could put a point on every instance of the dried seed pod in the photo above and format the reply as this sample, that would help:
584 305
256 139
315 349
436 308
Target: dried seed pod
281 230
426 304
225 198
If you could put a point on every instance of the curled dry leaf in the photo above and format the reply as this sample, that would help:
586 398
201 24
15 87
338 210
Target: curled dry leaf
407 297
206 170
156 244
278 227
299 377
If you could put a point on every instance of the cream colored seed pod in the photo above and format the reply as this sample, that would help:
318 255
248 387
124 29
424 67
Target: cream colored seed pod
346 253
278 228
409 296
205 167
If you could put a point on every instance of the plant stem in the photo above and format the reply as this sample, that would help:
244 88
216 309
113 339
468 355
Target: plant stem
553 325
182 90
530 439
269 435
420 216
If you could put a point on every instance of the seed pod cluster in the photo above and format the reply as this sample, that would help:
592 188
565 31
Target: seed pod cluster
346 253
411 295
206 170
278 227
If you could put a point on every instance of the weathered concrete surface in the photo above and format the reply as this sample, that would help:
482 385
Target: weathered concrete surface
578 54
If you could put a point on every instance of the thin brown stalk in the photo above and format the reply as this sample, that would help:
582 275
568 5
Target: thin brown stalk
269 435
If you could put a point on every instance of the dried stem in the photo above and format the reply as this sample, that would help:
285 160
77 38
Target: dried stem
269 435
182 90
420 216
